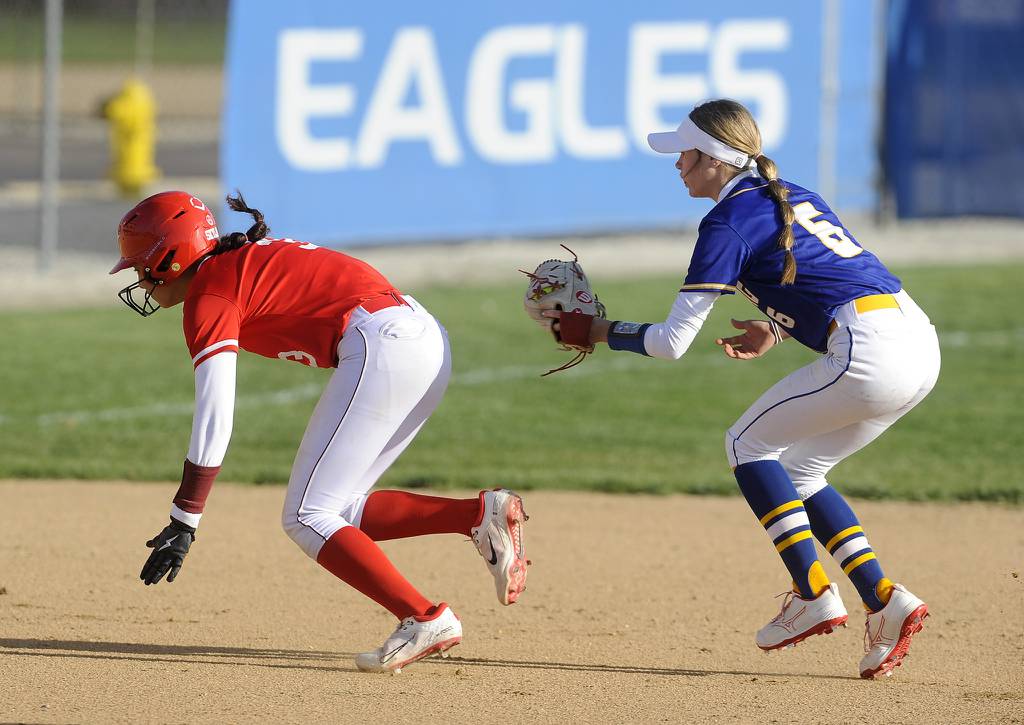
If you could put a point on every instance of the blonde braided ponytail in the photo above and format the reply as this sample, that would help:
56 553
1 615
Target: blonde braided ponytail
780 194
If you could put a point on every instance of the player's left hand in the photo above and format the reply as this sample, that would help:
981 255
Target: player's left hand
756 340
596 328
559 298
169 549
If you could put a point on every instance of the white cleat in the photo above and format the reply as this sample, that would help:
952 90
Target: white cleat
415 638
802 618
499 539
887 632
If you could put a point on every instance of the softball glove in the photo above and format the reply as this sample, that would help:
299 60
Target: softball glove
563 286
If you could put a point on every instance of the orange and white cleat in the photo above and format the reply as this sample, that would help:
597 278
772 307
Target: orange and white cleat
498 536
414 639
887 632
802 618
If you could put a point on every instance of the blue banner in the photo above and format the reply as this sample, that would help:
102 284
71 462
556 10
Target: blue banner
405 121
954 120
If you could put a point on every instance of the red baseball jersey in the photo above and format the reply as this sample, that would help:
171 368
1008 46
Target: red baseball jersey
278 298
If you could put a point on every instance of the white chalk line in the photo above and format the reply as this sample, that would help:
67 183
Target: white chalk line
304 393
990 338
482 376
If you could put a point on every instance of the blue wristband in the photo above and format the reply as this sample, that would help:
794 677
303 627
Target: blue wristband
628 336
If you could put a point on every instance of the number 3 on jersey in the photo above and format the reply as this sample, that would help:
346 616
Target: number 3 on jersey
827 233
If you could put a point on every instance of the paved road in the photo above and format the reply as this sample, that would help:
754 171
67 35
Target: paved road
90 158
90 205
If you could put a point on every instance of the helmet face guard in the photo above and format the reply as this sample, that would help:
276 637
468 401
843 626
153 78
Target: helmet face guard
146 306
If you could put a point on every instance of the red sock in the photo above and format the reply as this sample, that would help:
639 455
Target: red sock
352 557
399 515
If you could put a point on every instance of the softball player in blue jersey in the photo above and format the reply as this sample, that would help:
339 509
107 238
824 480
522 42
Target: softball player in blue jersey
784 249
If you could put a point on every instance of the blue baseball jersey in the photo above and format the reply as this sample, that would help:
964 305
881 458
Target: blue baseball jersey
737 249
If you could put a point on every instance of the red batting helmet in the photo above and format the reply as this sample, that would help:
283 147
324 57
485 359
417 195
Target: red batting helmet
166 234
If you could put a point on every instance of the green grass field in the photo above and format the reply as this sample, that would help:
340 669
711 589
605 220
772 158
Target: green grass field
103 393
112 40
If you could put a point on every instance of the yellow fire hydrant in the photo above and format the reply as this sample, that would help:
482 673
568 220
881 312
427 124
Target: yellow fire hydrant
132 116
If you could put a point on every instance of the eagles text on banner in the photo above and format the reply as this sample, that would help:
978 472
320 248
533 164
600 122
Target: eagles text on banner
351 124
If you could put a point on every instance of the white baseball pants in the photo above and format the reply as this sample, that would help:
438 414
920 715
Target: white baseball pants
878 366
394 366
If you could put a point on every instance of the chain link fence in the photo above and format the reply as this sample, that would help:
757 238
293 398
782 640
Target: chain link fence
176 47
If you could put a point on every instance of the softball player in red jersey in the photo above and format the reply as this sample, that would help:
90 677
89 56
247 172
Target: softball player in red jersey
295 301
817 285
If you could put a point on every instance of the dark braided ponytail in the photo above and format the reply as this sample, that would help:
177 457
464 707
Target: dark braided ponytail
256 232
732 124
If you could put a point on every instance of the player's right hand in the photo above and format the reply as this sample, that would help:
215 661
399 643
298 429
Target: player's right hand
756 340
169 549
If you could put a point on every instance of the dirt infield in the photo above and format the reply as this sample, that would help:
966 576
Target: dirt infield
639 609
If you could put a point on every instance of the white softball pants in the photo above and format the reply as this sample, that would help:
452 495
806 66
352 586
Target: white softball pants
394 366
878 366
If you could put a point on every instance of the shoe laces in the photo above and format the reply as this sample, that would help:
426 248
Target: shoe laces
785 603
869 641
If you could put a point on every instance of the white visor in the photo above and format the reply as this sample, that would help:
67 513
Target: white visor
688 136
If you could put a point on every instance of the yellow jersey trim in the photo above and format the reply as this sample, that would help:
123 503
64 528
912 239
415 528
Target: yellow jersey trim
710 286
744 191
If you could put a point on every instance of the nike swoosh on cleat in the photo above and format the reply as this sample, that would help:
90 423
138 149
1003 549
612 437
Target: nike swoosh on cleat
168 543
494 555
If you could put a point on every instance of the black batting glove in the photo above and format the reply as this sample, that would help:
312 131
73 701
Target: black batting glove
169 549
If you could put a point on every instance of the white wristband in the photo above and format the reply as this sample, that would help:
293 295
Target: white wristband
185 517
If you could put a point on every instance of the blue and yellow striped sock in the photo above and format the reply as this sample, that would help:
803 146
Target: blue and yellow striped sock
774 500
836 527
